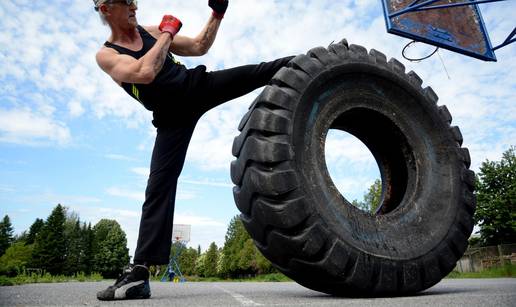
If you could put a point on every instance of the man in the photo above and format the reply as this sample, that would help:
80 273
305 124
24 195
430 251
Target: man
140 60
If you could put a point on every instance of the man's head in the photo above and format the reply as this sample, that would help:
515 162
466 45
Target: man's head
108 8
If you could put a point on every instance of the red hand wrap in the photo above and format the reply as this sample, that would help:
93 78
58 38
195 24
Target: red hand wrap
170 24
217 15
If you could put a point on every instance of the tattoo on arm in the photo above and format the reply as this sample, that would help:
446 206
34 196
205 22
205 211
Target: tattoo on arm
208 35
160 59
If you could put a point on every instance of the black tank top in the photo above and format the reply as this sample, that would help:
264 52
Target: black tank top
169 81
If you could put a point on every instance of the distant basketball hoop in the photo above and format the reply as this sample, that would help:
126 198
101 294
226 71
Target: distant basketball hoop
181 233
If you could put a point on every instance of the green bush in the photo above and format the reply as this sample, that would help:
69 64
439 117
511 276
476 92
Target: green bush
15 259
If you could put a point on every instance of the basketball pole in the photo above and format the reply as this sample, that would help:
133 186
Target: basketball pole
181 235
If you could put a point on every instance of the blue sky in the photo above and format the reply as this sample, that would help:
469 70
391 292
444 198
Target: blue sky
69 135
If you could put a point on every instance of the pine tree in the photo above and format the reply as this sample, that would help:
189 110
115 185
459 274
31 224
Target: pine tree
50 246
6 234
212 256
74 246
239 252
34 229
87 260
228 266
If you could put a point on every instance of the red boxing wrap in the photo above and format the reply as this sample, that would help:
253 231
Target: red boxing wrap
170 24
217 15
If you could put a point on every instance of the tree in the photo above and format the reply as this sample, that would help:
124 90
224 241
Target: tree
110 248
187 257
34 229
232 245
210 265
373 196
239 256
200 265
50 246
6 234
496 200
74 246
15 259
87 260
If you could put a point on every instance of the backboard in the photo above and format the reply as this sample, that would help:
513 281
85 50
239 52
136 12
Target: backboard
447 24
181 232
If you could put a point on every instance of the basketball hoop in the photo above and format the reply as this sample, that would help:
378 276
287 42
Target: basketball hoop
455 25
181 233
403 53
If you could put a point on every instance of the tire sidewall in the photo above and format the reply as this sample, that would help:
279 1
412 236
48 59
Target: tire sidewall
427 211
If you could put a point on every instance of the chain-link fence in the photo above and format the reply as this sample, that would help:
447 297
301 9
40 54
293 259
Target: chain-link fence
477 259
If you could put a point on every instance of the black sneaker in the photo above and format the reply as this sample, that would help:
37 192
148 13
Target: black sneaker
132 284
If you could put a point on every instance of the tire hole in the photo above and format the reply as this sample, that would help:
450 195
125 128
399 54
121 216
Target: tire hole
353 170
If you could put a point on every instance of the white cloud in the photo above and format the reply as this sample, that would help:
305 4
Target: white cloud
125 193
141 171
139 194
23 126
119 157
207 182
75 108
195 220
49 197
4 188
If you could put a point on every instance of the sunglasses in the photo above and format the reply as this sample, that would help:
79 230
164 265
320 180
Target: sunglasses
127 2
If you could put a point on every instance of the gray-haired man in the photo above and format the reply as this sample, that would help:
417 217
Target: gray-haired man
140 59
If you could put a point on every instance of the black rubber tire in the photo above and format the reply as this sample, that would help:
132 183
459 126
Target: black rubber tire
295 214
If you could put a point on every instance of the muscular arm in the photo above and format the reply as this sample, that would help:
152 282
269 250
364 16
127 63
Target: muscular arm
124 68
192 46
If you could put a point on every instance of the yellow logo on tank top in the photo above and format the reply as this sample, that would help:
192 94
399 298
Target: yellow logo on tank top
171 57
136 93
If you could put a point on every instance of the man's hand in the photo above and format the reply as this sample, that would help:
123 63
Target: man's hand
219 7
170 24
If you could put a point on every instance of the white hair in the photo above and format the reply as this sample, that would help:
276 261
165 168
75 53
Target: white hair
101 15
103 18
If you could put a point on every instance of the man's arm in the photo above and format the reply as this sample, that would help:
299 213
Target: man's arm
192 46
124 68
199 45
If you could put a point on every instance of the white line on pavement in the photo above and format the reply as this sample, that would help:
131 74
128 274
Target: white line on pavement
240 298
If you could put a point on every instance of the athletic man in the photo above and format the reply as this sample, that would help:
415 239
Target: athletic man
140 59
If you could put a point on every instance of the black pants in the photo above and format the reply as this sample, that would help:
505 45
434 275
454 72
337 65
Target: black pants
168 156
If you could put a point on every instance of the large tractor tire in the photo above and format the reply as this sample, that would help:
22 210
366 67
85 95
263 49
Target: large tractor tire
295 214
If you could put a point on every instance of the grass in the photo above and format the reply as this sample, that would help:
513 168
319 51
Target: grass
274 277
497 272
46 278
508 270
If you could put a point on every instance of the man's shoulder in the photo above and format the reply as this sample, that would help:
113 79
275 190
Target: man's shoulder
106 51
105 55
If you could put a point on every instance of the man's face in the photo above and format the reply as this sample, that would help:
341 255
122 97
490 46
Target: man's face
122 13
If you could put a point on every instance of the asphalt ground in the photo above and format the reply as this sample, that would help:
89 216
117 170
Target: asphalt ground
449 292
